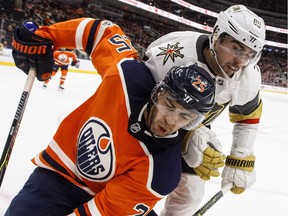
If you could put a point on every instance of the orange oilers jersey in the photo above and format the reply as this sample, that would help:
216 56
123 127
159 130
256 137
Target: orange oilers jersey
104 146
62 58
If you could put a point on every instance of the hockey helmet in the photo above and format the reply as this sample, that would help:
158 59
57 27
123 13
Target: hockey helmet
190 86
244 26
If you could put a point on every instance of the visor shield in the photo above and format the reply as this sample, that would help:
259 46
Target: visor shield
174 108
243 56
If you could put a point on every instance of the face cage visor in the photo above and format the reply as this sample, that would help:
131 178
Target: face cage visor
174 108
237 51
244 57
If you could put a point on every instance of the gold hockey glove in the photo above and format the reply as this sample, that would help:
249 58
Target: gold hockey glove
202 152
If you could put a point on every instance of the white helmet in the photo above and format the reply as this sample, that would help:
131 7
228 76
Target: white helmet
243 25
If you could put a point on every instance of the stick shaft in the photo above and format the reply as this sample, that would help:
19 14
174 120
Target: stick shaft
213 200
16 123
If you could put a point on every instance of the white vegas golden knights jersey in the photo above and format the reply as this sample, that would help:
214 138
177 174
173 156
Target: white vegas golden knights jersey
241 93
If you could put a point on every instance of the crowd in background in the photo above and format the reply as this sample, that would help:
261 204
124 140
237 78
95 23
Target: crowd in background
141 29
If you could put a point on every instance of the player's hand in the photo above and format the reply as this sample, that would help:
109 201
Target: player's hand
75 63
239 169
31 50
203 152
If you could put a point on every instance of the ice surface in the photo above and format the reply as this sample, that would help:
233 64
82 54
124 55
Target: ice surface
46 107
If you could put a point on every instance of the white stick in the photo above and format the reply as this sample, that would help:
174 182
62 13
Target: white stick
16 123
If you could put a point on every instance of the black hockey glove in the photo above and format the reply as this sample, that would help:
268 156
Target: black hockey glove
31 50
75 63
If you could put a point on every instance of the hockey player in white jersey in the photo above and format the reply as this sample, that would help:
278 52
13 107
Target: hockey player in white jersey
230 54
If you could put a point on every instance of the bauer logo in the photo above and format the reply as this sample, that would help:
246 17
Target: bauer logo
95 151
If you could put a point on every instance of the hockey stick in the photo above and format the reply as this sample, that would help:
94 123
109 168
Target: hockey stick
213 200
16 123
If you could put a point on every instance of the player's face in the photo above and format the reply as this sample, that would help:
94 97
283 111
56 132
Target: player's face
232 55
168 116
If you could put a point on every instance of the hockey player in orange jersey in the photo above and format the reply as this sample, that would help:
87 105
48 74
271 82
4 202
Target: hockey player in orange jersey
62 58
120 151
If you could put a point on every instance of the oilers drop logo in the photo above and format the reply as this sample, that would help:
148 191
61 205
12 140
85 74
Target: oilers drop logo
63 57
95 151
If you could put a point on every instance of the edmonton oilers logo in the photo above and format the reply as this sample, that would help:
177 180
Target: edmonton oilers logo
95 151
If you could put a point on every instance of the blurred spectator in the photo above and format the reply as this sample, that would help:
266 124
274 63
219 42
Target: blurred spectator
142 30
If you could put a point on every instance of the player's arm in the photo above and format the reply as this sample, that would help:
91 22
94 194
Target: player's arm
102 40
239 167
75 62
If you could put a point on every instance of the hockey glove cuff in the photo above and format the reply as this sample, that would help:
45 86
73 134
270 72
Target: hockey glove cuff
240 171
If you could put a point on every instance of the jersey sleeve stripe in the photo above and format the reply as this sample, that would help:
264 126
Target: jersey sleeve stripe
256 114
64 158
250 121
37 161
92 32
93 208
53 163
79 33
247 108
81 210
100 33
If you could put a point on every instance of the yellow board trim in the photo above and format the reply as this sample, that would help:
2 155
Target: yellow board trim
75 70
274 91
95 72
